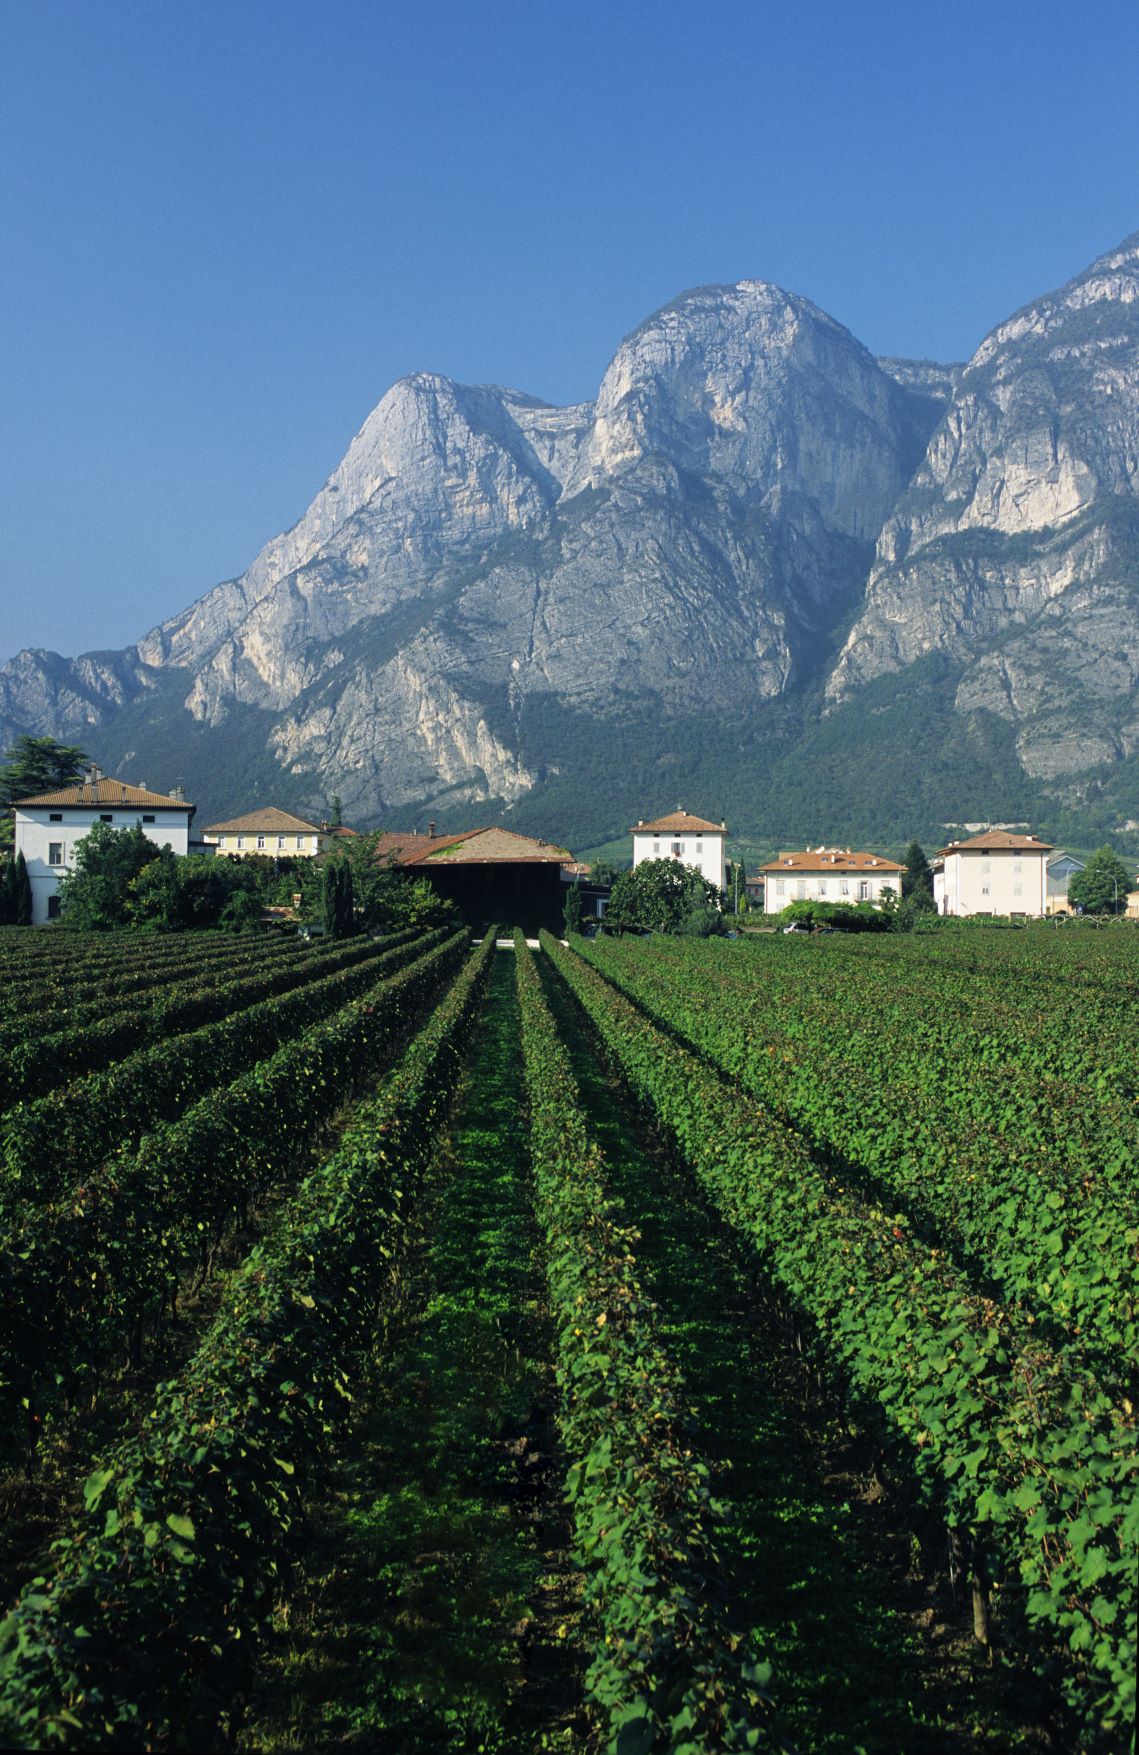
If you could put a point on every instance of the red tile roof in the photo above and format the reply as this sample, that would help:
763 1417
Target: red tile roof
997 841
489 846
105 792
680 821
828 859
269 819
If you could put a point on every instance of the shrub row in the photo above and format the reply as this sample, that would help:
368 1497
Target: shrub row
1052 1222
32 1065
1027 1455
50 1143
141 1633
82 1280
666 1672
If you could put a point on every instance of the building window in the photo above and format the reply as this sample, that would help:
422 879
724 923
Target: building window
300 840
148 819
106 817
779 886
241 840
699 846
844 888
656 846
53 907
56 816
985 867
822 886
260 840
1016 866
677 849
984 889
280 841
55 852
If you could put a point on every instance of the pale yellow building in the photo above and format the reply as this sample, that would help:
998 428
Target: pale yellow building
271 834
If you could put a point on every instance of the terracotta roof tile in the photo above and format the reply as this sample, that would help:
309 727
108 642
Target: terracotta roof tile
678 822
270 819
489 846
105 792
828 859
998 841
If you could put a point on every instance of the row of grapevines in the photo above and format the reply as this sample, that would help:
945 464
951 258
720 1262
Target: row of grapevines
142 1630
1041 955
32 1065
1025 1452
59 980
82 1279
665 1672
1063 1244
54 1001
53 1141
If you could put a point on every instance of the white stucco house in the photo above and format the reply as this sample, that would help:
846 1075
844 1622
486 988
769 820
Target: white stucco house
829 874
48 826
993 873
692 840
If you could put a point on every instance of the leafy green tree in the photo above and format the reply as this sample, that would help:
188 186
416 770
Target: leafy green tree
38 764
702 923
336 818
572 910
175 892
95 895
603 871
1101 888
659 895
917 879
241 912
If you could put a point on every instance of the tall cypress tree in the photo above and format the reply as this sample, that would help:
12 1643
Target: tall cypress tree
21 892
7 893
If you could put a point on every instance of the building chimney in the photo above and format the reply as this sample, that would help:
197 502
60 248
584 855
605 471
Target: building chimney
431 830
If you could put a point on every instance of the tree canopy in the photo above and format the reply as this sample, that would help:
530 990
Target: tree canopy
1101 888
97 893
38 764
917 879
659 896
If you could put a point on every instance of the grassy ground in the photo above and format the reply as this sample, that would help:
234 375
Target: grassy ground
438 1608
830 1577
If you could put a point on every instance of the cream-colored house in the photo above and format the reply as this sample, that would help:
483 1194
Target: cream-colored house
829 874
692 840
49 825
270 833
992 873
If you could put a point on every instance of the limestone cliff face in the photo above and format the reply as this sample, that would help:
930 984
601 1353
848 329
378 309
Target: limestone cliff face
1013 551
685 543
482 570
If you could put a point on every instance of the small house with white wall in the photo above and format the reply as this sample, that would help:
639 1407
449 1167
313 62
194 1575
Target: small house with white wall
692 840
50 825
829 874
993 873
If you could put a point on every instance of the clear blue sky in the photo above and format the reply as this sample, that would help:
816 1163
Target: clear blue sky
227 227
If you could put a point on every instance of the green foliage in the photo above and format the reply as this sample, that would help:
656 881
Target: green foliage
572 910
702 923
142 1629
1013 1434
666 1672
1101 888
917 879
659 896
840 916
194 891
15 892
96 895
100 1266
38 764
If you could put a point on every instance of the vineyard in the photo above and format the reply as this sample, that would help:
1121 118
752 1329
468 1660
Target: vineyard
637 1344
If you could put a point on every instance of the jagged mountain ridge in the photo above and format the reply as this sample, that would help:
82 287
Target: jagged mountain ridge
490 596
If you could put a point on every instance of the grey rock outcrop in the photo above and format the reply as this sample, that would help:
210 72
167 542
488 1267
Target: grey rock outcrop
1013 551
